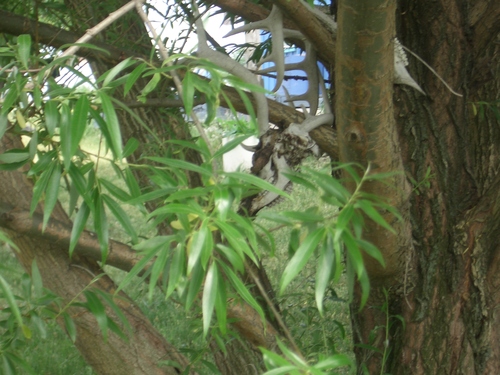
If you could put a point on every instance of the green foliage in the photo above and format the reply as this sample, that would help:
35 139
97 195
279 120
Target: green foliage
202 263
481 108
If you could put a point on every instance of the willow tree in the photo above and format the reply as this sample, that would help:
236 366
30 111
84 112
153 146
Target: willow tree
432 306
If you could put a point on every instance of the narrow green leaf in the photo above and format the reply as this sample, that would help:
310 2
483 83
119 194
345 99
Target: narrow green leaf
65 134
310 215
330 185
345 216
51 194
3 124
194 285
300 258
291 355
371 250
368 209
14 156
152 195
235 239
288 369
223 201
7 367
24 49
97 309
70 326
221 305
301 178
207 245
36 279
79 122
51 116
248 106
115 191
181 164
335 361
37 97
233 143
353 252
78 226
130 147
133 186
113 327
150 86
133 77
364 281
41 186
101 225
33 145
188 92
183 194
242 290
256 181
274 216
113 72
154 242
112 125
177 269
209 296
78 179
157 270
108 298
235 258
20 363
323 271
191 145
136 270
11 301
273 360
178 208
9 99
122 217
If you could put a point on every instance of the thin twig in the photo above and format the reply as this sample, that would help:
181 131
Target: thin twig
165 56
276 313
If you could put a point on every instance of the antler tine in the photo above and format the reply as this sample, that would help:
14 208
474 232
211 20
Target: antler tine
274 24
324 94
288 98
308 65
232 67
401 75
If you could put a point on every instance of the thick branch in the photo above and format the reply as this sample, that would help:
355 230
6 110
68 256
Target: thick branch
319 32
120 255
365 119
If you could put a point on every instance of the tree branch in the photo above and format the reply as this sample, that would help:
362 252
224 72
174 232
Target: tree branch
120 255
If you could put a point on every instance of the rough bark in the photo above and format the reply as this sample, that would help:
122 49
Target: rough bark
452 315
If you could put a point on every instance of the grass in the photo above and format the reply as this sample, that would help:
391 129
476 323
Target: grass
316 335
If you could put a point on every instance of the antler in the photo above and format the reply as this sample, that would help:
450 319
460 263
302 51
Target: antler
232 67
274 24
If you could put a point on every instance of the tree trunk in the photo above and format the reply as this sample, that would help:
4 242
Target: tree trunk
452 320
